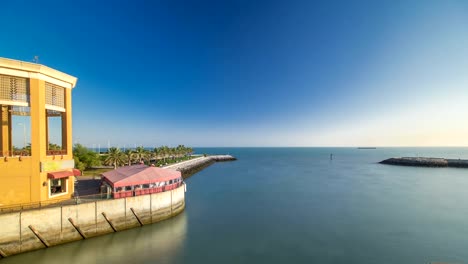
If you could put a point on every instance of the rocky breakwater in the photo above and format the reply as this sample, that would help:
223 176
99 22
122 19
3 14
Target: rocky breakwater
426 162
190 167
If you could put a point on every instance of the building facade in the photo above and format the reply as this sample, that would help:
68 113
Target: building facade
39 171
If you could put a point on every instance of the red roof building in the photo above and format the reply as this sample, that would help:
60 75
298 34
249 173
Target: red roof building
141 179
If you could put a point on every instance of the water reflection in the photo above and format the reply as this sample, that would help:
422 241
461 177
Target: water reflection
139 245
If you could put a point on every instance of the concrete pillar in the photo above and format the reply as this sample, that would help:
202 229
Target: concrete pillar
67 140
5 121
38 137
47 133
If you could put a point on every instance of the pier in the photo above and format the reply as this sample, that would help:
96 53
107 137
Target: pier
190 167
426 162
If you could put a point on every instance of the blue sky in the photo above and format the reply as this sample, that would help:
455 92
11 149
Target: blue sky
254 73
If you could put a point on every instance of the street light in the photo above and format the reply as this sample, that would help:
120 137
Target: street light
24 134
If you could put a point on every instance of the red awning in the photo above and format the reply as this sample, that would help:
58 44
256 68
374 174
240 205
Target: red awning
139 174
76 172
59 174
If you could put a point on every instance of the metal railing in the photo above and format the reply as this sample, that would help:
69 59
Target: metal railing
79 199
143 191
50 204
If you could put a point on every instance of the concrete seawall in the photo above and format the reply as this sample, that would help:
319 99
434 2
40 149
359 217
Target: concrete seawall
30 230
42 228
426 162
190 167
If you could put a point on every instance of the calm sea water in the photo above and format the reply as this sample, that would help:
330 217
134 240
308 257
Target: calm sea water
295 205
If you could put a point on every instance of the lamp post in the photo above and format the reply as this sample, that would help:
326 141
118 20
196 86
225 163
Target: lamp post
24 134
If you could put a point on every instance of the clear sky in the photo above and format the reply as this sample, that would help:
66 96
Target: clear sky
254 73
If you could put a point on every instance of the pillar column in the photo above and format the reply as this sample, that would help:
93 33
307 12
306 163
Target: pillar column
67 140
5 122
38 136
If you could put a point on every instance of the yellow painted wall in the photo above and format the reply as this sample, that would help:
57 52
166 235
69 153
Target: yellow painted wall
67 125
4 129
38 137
21 179
15 184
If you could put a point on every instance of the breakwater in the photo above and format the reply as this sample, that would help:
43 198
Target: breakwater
190 167
426 162
35 229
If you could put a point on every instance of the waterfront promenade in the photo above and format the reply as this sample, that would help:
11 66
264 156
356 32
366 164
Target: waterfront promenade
87 188
81 218
192 166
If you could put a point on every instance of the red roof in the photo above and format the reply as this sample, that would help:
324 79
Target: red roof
76 172
139 174
59 174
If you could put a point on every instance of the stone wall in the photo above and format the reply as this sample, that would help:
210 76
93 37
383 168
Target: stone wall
426 162
41 228
190 167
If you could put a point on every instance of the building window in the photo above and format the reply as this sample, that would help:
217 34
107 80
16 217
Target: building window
55 97
58 186
14 119
55 113
14 90
55 131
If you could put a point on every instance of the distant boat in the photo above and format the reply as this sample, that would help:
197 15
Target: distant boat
366 147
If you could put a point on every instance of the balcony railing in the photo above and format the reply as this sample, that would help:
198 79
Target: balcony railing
15 153
22 153
56 152
143 191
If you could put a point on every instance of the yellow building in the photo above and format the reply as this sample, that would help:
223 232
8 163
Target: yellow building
41 172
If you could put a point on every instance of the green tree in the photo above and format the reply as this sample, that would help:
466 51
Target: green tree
156 153
115 157
189 151
129 154
140 154
166 152
179 151
53 146
85 158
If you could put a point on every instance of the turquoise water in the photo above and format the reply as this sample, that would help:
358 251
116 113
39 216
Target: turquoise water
295 205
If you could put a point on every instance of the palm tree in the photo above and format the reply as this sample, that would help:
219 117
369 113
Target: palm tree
129 156
140 154
188 151
115 157
180 151
165 152
157 153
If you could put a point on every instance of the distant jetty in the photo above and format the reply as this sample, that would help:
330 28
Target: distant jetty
193 166
426 162
366 147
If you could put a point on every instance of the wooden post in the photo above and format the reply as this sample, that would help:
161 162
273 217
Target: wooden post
138 218
39 236
109 221
2 254
77 228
